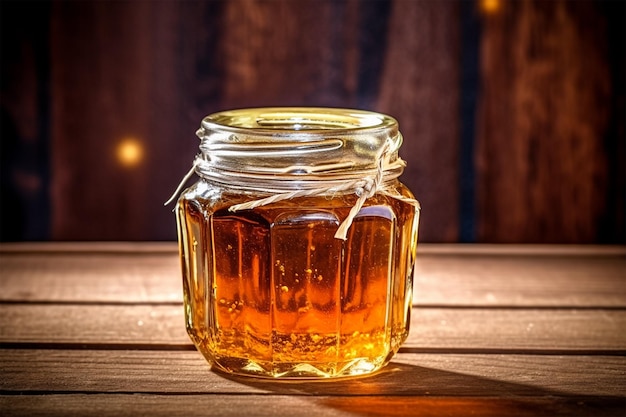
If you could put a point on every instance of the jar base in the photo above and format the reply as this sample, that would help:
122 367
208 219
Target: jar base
296 370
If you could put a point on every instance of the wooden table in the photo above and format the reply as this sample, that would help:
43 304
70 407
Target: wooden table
97 329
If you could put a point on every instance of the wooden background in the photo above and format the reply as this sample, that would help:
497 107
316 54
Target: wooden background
512 112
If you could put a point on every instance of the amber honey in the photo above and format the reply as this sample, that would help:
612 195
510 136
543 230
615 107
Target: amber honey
271 291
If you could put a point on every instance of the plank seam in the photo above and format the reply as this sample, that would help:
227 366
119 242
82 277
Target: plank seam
403 350
296 394
415 306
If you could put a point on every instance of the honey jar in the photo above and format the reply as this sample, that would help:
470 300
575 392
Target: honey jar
297 242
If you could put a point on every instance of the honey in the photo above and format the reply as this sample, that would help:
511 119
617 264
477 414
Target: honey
274 290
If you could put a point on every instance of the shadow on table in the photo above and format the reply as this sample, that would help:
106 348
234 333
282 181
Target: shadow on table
401 389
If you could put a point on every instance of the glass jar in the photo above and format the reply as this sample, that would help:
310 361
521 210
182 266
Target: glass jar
297 242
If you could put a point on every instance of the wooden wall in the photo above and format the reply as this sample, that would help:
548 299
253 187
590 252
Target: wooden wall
528 149
551 123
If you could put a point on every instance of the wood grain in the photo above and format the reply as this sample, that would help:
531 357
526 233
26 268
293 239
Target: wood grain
93 116
169 64
520 276
472 375
431 328
544 125
96 277
420 87
558 279
280 405
78 77
67 350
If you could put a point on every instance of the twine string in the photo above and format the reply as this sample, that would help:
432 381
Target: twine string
364 188
181 184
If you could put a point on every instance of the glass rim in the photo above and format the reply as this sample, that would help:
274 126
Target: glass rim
299 121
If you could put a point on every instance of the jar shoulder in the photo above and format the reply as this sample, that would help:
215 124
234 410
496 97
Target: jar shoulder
214 197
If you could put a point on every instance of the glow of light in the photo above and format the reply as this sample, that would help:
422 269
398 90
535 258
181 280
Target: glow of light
490 6
129 152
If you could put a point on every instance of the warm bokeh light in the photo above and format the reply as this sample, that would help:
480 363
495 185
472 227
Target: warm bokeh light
129 152
490 6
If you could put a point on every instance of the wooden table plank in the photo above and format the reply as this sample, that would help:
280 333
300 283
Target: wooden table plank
564 280
472 375
432 328
91 277
445 275
113 324
124 404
